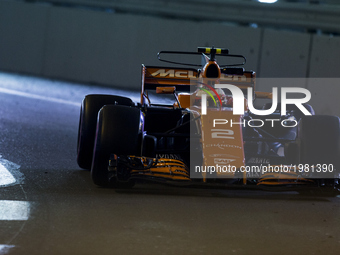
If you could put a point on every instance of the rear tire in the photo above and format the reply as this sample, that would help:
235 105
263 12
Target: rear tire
90 107
319 142
119 131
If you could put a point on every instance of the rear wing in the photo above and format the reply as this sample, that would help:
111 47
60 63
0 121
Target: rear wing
182 78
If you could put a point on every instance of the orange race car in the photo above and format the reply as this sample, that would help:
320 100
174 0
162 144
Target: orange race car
211 134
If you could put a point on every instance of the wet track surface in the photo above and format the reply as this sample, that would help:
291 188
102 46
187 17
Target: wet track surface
54 208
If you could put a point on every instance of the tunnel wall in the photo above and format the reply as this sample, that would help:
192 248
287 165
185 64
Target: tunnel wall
98 47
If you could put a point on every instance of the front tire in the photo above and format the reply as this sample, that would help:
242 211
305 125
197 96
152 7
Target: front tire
119 131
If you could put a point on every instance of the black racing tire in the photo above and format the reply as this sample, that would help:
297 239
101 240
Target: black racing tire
319 142
90 107
119 131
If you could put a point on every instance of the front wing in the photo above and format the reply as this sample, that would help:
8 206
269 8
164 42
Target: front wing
173 171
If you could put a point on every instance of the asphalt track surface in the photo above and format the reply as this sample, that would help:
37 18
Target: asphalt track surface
52 207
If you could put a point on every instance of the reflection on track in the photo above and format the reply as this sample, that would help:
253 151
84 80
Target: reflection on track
37 97
4 249
9 173
14 210
6 178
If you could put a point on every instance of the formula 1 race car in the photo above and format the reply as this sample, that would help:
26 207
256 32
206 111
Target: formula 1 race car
211 134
